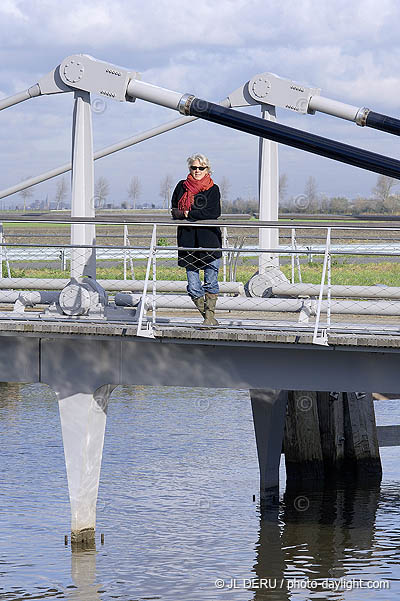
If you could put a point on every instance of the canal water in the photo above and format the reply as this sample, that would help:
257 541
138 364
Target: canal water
176 509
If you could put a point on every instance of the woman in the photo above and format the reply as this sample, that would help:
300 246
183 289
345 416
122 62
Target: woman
194 199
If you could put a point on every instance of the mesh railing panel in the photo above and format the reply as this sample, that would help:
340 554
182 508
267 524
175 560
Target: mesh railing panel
359 291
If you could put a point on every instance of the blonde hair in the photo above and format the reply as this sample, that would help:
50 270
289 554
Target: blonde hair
202 159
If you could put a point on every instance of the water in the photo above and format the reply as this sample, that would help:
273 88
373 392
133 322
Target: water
175 505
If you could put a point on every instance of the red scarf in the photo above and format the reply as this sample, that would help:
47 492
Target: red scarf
193 186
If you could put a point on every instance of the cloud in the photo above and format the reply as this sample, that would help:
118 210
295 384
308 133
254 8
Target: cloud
350 51
10 8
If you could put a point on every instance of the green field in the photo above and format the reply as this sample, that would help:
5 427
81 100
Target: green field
369 274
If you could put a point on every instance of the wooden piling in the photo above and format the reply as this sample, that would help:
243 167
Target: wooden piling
361 438
331 428
330 435
302 443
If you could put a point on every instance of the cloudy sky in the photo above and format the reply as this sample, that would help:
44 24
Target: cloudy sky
349 50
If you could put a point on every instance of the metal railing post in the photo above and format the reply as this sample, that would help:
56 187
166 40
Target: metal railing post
224 245
323 339
125 244
3 253
292 255
148 331
295 257
154 277
1 250
328 315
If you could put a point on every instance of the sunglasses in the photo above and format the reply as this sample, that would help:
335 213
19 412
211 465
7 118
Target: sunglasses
193 168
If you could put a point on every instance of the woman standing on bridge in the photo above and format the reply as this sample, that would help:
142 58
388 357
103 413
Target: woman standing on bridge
194 199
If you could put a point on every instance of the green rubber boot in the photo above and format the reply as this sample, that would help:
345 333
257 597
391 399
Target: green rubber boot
209 310
199 302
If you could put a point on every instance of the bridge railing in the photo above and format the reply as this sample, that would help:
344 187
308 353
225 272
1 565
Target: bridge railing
327 277
317 278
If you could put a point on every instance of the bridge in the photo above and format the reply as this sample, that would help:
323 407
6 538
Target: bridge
296 329
83 341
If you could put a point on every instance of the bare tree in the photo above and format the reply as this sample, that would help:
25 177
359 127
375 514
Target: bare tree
134 190
101 191
283 184
392 203
224 187
166 189
311 194
61 193
384 186
27 193
383 192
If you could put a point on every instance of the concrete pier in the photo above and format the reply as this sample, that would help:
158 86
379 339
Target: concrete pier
83 421
269 410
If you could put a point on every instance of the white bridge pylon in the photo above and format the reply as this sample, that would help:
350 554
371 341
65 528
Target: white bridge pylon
83 260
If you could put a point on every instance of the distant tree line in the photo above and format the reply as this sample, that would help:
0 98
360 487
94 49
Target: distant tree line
384 197
383 200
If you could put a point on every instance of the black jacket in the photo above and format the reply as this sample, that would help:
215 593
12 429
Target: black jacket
207 205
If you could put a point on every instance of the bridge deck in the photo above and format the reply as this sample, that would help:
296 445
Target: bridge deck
234 328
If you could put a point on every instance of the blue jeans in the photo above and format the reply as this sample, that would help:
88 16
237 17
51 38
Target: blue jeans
195 288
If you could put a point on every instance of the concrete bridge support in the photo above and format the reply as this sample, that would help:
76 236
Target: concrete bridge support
269 410
83 421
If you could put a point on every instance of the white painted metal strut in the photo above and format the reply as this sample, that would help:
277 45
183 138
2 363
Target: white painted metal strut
83 260
20 97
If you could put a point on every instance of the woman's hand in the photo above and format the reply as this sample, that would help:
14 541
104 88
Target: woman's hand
178 214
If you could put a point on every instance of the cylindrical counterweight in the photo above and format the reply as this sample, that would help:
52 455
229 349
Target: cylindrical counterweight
290 136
